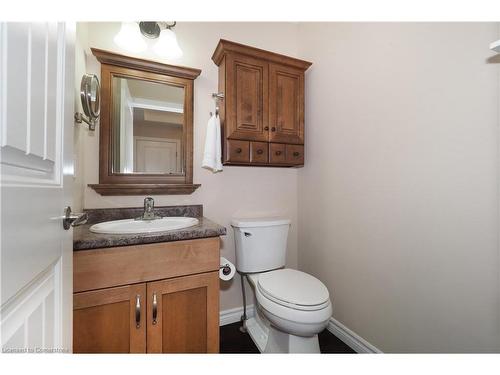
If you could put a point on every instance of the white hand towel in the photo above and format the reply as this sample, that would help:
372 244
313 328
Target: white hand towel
213 153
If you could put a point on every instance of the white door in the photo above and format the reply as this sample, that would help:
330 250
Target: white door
36 133
157 155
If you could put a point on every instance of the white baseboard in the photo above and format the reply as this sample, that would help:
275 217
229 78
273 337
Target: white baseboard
234 315
352 339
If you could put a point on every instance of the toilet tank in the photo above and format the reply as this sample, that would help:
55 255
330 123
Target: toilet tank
260 243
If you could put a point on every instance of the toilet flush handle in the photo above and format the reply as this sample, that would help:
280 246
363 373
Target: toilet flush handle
247 234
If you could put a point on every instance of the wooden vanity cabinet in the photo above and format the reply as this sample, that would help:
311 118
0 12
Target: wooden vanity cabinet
262 112
106 320
184 314
155 298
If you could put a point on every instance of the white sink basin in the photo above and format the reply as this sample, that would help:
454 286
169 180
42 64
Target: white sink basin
128 226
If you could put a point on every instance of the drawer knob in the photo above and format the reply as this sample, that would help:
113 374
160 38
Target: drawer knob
259 151
273 129
266 128
278 153
296 153
238 150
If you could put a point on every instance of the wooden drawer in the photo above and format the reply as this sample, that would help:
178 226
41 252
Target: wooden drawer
259 152
294 154
238 151
104 268
277 153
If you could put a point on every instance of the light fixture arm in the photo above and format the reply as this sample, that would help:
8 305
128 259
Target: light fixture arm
168 26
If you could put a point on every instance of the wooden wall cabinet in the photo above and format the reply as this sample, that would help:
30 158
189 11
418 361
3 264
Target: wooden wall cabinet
157 298
262 114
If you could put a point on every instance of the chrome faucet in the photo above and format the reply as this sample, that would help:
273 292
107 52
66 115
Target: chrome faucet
149 210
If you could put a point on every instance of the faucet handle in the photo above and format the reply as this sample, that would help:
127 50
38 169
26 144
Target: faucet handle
149 203
149 212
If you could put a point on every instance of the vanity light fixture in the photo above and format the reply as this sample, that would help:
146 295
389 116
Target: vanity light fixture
166 45
129 38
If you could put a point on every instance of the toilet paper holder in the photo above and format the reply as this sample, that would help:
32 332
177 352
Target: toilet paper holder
226 269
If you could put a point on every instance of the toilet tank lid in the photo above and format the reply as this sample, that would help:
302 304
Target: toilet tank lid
259 222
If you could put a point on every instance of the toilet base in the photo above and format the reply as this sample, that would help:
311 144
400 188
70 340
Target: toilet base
269 339
281 342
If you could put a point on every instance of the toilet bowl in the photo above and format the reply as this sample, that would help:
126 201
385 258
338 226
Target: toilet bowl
292 307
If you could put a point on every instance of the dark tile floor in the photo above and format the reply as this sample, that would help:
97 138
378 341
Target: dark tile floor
233 341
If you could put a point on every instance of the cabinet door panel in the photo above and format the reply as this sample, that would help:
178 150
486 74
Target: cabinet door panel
104 321
286 109
188 334
247 99
187 314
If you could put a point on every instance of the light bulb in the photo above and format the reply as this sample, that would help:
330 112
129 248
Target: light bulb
129 37
167 45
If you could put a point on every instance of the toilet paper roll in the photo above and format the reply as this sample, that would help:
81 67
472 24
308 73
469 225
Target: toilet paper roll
226 270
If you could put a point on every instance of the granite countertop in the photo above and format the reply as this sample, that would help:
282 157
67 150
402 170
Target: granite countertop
84 239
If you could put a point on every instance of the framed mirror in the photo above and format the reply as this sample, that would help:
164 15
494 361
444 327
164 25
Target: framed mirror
146 128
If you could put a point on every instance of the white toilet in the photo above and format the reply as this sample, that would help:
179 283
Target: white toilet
292 307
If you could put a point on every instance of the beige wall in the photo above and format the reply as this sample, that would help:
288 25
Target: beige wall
237 191
398 201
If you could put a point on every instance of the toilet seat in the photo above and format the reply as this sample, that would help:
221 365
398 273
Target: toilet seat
303 319
293 289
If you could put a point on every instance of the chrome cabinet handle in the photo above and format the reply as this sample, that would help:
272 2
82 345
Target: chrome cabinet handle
137 311
73 220
155 308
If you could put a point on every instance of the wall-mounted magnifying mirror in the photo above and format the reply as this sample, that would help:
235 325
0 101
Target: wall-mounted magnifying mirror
91 102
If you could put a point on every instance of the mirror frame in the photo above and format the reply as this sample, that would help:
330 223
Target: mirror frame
110 183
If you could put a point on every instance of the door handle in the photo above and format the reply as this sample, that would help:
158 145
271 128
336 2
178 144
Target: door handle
155 308
137 311
73 220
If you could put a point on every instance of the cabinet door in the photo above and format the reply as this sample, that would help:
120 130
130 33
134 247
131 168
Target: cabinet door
286 108
183 314
246 115
111 320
